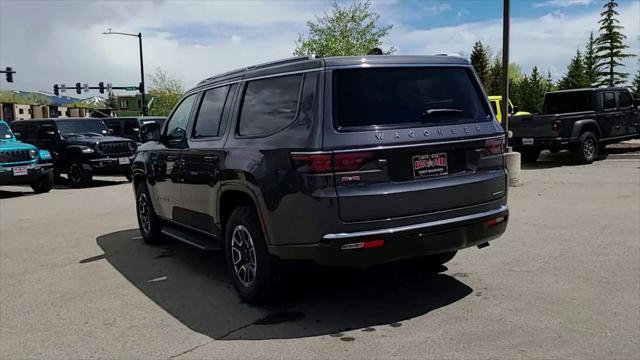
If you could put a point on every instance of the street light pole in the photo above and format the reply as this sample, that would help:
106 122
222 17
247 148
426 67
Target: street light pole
505 67
142 87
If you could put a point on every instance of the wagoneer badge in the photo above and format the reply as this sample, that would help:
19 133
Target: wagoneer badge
440 132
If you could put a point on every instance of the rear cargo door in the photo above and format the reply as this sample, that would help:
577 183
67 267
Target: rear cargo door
409 141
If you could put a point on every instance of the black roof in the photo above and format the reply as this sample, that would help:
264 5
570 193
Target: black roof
309 62
59 119
614 88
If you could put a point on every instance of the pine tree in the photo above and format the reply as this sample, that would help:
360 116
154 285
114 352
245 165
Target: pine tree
576 74
532 88
495 74
610 46
591 62
112 102
480 61
635 85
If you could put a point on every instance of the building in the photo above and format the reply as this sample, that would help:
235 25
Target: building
10 112
129 105
39 111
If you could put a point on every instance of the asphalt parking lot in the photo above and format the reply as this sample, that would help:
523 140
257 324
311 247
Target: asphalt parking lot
76 281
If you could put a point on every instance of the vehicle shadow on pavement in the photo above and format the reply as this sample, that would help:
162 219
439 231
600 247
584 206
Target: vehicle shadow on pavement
64 185
194 287
11 194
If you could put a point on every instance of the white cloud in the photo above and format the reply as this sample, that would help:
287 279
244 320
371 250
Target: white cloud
562 3
61 42
548 42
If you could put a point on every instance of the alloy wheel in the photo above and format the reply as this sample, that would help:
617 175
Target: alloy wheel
589 147
144 213
243 255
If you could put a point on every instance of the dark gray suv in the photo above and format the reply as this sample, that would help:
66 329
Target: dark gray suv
343 161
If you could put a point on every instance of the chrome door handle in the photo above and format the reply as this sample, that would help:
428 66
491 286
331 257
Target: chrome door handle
211 158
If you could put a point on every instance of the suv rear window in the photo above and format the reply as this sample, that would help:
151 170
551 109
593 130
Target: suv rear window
568 102
392 97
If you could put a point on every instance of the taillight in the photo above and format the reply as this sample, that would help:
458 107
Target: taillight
494 146
323 163
494 221
555 125
350 161
313 163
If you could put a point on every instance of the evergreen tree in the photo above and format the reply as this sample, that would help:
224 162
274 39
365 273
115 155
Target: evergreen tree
576 75
112 102
480 60
635 85
532 88
610 46
495 74
549 85
591 62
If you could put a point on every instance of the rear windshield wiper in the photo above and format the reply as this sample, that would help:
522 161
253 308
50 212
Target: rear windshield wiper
443 111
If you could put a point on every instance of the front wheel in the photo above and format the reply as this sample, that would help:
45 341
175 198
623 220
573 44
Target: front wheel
252 270
44 184
587 148
80 174
148 221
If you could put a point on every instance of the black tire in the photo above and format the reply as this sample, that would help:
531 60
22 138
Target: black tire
79 174
586 150
44 184
148 222
253 272
129 177
529 155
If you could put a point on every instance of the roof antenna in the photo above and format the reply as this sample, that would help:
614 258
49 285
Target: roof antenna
375 51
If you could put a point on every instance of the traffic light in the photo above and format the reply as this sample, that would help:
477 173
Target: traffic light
9 73
78 88
56 90
101 87
141 88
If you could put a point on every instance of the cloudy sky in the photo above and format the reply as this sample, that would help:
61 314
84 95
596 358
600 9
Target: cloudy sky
60 41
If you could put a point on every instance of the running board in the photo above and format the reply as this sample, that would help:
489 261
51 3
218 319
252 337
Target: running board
193 238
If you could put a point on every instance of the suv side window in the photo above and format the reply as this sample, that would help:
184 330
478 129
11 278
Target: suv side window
625 100
114 125
269 105
210 113
608 100
177 126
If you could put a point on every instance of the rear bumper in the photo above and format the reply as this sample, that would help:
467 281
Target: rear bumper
34 172
402 242
541 143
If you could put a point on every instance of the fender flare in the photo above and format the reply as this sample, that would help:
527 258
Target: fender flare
253 193
580 124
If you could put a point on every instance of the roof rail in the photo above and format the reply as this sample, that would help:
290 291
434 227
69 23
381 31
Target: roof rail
287 61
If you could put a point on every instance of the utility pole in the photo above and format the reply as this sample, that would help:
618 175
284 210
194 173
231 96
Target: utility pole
504 104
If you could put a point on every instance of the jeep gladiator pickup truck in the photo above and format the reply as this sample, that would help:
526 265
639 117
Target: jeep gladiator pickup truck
23 164
579 120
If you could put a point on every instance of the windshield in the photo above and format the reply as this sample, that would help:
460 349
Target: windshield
82 127
395 96
5 132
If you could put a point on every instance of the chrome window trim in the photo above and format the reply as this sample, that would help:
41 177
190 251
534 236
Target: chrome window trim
502 209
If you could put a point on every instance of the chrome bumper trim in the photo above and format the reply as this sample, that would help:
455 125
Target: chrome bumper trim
501 209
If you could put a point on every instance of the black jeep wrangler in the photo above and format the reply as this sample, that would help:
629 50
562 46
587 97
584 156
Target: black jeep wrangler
345 161
80 147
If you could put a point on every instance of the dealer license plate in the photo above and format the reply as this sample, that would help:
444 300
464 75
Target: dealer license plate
123 160
20 171
527 141
430 165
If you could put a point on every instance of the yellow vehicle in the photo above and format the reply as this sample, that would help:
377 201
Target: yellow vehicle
497 108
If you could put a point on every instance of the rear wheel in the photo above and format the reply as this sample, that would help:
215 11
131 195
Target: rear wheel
43 184
148 221
586 149
79 174
253 271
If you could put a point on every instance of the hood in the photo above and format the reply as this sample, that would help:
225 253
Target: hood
12 144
